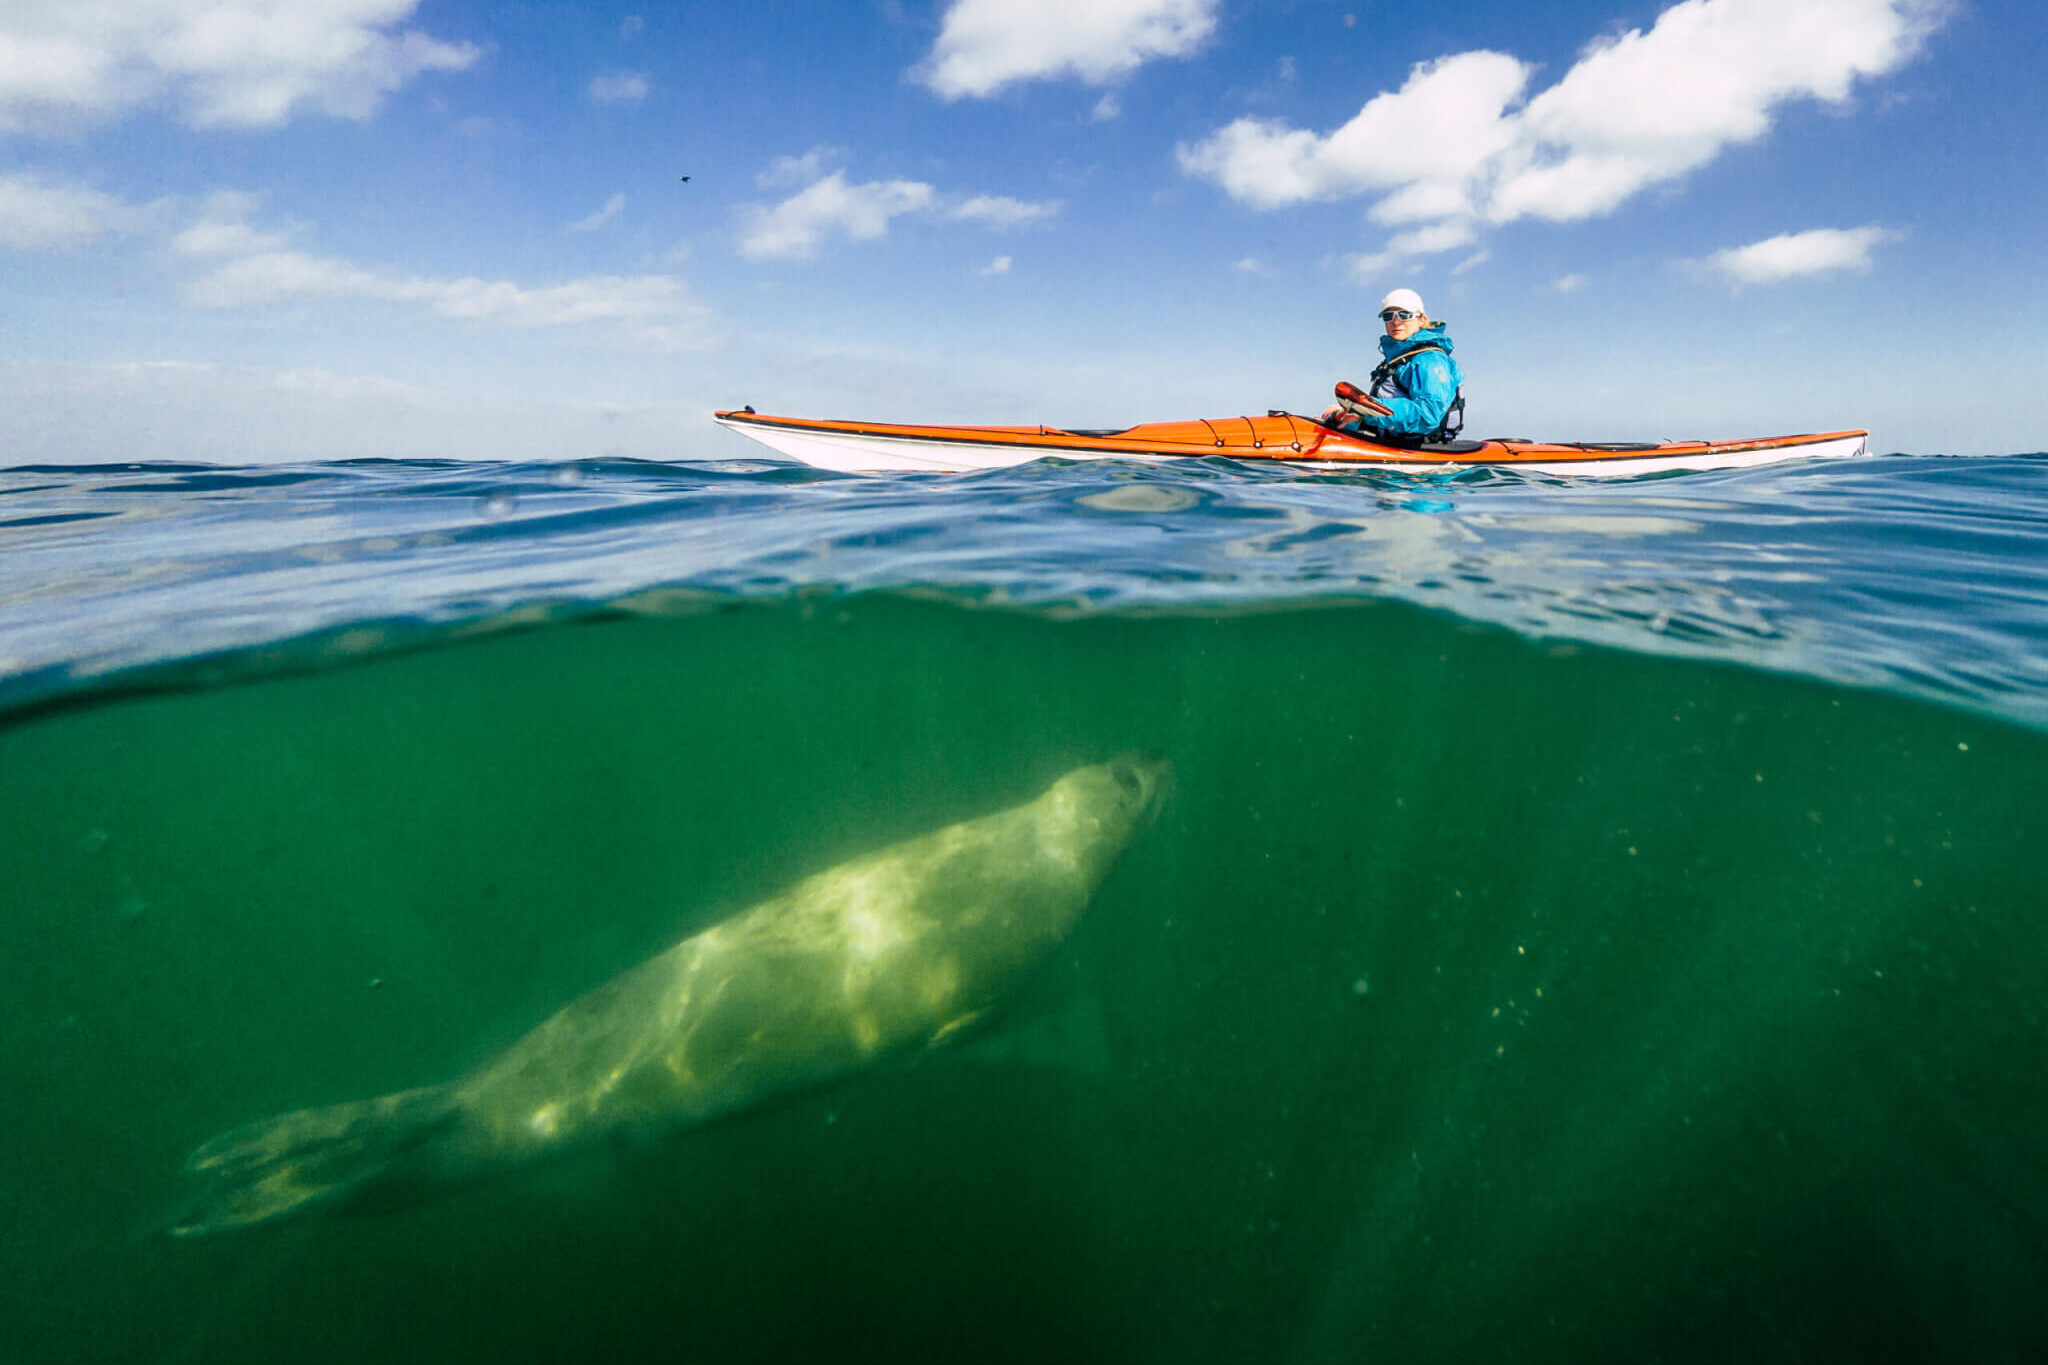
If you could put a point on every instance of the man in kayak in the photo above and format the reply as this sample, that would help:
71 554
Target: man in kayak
1416 379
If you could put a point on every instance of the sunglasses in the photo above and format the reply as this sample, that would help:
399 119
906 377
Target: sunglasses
1398 315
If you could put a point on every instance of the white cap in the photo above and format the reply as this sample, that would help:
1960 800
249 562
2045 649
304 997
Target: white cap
1404 298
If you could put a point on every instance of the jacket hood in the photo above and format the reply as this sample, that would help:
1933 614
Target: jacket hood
1432 335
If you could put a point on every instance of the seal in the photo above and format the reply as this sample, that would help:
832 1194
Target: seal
897 950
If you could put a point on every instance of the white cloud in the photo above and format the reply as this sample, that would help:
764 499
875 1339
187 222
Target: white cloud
1459 146
797 170
1426 140
211 237
1646 108
1252 265
613 207
1568 284
620 87
1366 267
984 45
1472 262
1106 108
1432 239
999 211
40 215
222 63
794 229
1792 254
999 266
259 269
1405 246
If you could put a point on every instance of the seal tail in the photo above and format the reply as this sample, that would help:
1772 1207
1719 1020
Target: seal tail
292 1162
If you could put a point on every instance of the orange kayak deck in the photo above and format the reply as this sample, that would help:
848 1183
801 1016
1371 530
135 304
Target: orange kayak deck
877 446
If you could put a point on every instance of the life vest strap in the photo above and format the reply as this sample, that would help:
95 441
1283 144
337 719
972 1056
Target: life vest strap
1388 366
1454 419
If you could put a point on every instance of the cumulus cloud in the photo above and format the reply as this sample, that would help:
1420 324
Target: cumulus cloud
1568 284
42 215
1462 144
613 207
999 211
796 227
619 87
1790 255
999 266
251 269
984 45
66 64
833 206
1427 141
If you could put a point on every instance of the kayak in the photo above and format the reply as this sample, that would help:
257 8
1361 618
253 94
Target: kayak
875 447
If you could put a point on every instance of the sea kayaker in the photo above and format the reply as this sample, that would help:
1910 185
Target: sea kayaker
1416 377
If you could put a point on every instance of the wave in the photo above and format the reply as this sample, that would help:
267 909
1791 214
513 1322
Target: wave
1910 573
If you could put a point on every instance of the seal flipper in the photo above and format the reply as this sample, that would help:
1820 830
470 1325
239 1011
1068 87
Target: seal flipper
291 1162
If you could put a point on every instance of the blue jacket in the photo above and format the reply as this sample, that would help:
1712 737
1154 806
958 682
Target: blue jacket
1420 390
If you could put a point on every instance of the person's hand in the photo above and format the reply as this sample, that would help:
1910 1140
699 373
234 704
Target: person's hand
1333 414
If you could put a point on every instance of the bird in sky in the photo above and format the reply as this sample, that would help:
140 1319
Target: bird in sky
686 180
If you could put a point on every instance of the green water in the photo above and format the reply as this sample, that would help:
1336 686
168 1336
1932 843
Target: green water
1472 999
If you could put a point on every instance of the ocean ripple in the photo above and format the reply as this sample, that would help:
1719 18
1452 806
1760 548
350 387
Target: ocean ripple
1919 574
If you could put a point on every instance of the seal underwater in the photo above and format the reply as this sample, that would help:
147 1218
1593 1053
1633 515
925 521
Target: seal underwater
899 949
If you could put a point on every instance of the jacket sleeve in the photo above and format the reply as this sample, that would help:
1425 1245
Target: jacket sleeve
1431 389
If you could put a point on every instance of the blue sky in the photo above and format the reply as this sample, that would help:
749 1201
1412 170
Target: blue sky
243 230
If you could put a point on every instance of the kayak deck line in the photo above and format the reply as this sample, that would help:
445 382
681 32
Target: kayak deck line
874 447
